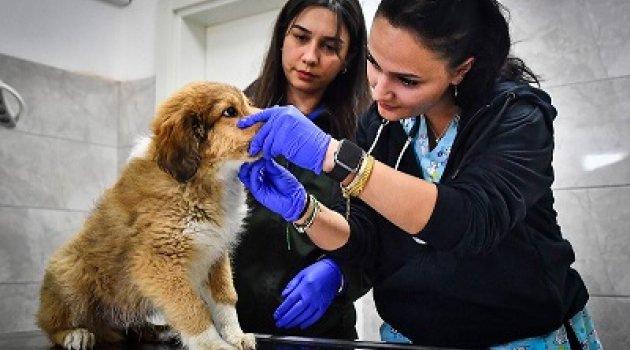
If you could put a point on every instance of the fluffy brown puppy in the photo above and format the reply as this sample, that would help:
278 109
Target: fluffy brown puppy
155 250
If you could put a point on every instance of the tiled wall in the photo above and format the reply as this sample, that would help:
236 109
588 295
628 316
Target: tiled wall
137 107
64 151
582 51
78 130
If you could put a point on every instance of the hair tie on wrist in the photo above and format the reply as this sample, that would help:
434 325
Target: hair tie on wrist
311 210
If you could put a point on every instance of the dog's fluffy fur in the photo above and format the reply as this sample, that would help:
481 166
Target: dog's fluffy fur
155 250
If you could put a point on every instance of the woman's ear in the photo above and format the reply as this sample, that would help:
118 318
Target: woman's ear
461 70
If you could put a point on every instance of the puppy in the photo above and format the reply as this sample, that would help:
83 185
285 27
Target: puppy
155 250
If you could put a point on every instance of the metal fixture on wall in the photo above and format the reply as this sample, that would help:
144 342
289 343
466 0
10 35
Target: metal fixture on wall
118 2
11 106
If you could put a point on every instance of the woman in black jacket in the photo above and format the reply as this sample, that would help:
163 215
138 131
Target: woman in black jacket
315 62
450 207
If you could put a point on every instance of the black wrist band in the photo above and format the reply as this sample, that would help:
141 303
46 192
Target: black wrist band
338 173
348 158
308 203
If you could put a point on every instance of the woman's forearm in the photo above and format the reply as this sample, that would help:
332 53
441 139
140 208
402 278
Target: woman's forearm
330 230
405 200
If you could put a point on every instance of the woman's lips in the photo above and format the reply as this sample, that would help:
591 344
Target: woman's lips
386 107
303 75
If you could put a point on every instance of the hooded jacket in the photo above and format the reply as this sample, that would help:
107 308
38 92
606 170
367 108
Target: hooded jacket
495 267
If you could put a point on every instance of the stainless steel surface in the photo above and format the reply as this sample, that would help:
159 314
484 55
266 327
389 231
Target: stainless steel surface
36 340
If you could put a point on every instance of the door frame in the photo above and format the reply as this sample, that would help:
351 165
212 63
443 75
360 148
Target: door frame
181 36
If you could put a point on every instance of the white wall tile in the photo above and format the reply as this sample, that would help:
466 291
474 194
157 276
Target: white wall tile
592 128
610 315
595 222
137 109
611 20
45 172
555 38
28 237
18 306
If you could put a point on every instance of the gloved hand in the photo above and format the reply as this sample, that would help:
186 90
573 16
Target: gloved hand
309 294
274 187
289 133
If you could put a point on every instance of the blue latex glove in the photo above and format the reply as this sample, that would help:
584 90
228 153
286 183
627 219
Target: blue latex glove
289 133
308 295
274 187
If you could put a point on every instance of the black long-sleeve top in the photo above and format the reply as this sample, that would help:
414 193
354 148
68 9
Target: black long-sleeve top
495 267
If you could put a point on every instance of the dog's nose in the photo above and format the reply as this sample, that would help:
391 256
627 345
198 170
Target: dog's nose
254 110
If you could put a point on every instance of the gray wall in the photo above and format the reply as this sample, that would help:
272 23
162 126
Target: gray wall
63 153
581 49
78 129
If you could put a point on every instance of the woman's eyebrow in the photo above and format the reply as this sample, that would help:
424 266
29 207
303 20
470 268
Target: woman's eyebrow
397 74
294 25
336 39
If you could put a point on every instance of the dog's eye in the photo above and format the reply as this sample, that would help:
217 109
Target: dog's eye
230 112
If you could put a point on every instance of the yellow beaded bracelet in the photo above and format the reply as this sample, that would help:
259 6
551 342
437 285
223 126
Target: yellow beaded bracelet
355 188
357 184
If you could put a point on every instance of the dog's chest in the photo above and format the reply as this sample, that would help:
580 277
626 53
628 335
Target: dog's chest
215 235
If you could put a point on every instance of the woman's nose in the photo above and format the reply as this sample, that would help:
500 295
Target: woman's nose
380 88
311 54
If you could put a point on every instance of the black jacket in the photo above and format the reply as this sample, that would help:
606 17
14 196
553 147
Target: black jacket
496 267
264 264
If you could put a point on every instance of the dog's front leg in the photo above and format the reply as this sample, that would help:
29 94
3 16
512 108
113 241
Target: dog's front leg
222 302
172 293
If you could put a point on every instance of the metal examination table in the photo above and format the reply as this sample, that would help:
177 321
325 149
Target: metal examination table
36 340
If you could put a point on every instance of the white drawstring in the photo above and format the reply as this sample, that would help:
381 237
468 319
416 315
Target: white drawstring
400 155
378 135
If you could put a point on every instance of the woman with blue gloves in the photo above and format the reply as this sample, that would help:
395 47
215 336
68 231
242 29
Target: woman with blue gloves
316 61
448 204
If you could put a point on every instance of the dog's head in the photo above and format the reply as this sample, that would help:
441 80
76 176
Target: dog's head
198 123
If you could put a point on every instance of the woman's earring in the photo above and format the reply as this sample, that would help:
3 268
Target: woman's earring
455 92
345 69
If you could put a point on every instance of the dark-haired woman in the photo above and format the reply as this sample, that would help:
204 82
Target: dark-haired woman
449 185
315 62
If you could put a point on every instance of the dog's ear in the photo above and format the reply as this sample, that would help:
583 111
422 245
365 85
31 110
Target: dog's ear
178 144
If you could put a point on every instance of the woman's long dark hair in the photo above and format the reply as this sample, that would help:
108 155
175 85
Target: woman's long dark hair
457 30
348 94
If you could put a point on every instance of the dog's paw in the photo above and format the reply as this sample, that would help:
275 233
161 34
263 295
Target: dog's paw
78 339
211 345
208 340
230 330
242 341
